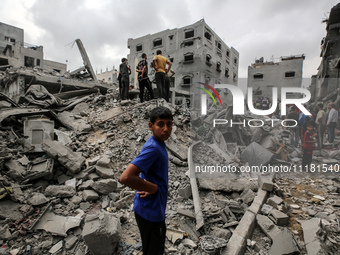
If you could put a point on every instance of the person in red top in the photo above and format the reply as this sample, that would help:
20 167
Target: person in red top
308 146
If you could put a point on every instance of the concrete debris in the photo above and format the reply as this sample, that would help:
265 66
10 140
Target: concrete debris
256 155
71 160
60 191
284 244
101 230
278 217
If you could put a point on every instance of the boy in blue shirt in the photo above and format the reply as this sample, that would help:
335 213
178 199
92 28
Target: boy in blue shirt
148 175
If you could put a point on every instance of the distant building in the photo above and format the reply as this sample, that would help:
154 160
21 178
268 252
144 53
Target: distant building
108 76
326 83
264 75
15 52
197 54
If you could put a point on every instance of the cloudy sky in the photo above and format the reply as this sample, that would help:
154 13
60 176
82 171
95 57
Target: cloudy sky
268 28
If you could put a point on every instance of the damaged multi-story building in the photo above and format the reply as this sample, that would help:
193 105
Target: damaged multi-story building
14 51
263 76
197 54
325 85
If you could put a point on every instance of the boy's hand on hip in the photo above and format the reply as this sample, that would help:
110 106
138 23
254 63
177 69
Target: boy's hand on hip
147 193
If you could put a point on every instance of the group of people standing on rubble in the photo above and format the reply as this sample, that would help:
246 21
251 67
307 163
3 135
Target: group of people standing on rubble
310 130
163 73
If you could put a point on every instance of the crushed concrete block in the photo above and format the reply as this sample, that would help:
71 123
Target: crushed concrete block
266 183
38 199
70 241
101 231
73 161
185 192
227 184
256 155
105 172
278 217
105 186
284 243
267 226
274 201
189 243
125 202
266 209
60 191
90 195
86 185
247 196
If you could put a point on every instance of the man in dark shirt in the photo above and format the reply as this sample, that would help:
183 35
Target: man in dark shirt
294 127
125 71
144 82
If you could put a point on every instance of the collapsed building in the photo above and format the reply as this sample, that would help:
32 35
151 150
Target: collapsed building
325 85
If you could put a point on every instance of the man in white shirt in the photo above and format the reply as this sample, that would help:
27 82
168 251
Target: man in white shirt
331 121
321 122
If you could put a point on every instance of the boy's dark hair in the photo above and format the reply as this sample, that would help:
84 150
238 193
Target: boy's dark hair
320 105
160 112
143 55
123 60
158 52
310 124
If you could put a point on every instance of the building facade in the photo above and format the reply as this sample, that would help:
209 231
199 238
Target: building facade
108 76
264 75
15 52
327 81
197 54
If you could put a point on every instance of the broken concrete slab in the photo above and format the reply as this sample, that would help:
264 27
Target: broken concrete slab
256 155
60 191
103 167
310 229
73 161
105 186
102 230
56 224
266 183
267 226
185 191
247 196
72 122
284 243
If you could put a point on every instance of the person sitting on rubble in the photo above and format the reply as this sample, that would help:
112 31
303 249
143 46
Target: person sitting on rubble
148 175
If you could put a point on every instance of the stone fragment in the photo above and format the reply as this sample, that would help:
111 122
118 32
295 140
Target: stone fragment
274 201
189 243
15 170
267 226
5 234
125 202
86 185
310 230
90 195
55 248
256 155
105 186
266 183
100 231
60 191
70 241
266 209
73 161
247 196
38 199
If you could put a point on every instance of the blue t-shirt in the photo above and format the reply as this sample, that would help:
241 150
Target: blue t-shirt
153 162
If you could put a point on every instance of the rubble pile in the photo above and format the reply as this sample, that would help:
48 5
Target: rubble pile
59 189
